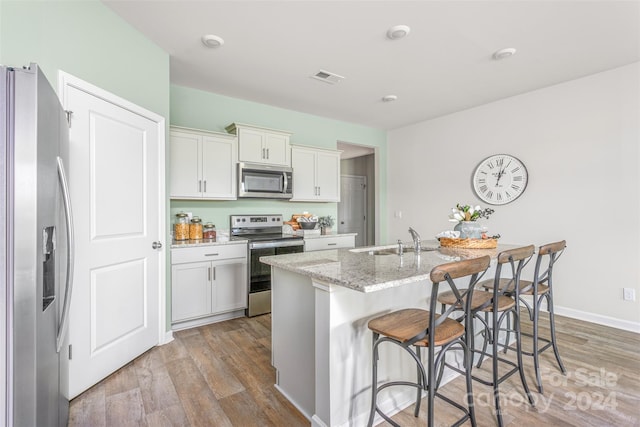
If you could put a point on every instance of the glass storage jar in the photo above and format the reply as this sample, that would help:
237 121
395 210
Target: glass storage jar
195 229
181 227
209 231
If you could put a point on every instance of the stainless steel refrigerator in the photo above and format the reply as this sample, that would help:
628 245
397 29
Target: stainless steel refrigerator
36 251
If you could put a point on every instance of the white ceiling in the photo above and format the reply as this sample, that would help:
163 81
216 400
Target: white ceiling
444 65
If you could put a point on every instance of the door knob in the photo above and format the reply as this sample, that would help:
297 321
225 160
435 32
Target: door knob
156 245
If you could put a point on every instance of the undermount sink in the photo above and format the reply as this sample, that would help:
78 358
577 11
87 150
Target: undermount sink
394 251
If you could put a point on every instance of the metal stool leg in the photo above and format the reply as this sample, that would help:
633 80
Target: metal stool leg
431 391
487 339
516 324
552 327
506 347
419 390
536 360
468 365
494 362
374 379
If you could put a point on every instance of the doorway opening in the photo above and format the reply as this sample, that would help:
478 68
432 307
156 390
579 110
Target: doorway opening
358 187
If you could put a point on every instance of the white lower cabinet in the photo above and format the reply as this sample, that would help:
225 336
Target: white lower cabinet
331 242
208 281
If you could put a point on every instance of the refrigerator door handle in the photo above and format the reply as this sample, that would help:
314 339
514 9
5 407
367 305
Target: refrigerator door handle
62 330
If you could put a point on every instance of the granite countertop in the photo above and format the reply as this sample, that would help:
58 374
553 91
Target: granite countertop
359 269
176 244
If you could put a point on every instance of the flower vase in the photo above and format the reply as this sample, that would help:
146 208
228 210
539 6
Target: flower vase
325 230
469 229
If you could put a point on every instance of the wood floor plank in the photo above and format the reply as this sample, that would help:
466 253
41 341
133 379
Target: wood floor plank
169 416
124 379
242 410
174 350
156 388
221 375
199 403
89 409
214 370
125 409
220 340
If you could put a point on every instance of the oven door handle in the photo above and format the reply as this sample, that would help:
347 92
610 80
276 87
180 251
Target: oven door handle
276 244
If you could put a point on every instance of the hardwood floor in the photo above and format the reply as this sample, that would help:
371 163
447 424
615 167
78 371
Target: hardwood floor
220 375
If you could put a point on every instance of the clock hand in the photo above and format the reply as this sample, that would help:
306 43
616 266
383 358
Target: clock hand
502 172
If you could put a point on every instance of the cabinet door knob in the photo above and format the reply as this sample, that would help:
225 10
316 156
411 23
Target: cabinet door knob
156 245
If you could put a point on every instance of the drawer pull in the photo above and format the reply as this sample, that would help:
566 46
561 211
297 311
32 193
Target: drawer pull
211 254
331 244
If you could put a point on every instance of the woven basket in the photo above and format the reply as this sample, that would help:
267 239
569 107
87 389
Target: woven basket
446 242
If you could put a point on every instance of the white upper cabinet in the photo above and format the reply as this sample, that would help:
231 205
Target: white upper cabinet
203 165
261 145
316 174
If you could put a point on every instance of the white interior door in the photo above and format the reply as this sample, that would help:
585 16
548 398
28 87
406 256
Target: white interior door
115 177
352 207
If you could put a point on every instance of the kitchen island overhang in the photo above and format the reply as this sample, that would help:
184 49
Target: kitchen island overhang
321 345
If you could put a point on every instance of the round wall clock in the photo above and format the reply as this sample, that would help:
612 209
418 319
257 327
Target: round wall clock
499 179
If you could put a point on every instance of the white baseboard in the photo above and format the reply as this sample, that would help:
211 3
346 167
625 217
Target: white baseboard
187 324
168 337
298 407
599 319
317 422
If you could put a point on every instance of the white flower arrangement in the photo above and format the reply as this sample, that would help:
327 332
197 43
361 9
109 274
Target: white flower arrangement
469 213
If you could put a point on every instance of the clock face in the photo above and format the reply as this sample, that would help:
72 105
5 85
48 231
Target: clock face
500 179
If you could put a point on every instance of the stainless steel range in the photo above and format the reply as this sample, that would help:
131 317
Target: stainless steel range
264 233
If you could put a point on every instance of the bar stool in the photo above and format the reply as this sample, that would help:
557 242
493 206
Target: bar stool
541 289
500 303
421 328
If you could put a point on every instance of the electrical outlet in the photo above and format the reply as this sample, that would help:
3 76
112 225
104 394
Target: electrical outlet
398 214
629 294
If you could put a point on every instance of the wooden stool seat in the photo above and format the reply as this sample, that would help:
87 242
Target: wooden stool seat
415 330
402 325
526 286
481 301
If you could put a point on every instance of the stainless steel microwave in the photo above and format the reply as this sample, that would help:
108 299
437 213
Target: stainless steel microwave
264 181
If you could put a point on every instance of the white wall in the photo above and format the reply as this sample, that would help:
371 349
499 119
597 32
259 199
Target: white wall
579 141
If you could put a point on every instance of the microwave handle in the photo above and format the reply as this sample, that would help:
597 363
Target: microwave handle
286 182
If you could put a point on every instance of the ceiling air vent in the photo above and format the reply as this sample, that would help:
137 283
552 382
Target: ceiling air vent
327 77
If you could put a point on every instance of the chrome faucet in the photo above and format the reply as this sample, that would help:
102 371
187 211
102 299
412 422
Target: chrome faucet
416 240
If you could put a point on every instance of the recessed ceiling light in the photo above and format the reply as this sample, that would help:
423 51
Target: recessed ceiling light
389 98
398 32
211 40
504 53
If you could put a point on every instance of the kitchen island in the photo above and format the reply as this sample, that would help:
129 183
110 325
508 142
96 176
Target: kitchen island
321 304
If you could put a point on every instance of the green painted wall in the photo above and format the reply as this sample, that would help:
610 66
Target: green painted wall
86 39
204 110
